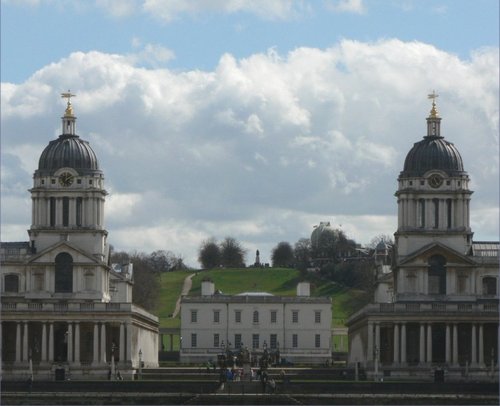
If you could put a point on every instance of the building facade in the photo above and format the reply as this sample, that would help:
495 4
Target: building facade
435 312
66 312
297 328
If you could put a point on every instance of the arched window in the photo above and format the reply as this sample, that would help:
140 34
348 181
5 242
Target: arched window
489 286
437 275
11 283
64 273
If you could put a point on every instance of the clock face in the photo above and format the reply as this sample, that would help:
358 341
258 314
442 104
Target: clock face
435 181
66 179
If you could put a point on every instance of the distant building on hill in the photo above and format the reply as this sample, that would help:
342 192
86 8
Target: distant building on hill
298 328
435 311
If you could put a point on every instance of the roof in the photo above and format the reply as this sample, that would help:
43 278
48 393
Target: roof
256 299
485 248
254 294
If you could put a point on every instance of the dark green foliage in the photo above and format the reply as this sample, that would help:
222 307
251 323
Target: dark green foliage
232 253
282 255
302 253
209 254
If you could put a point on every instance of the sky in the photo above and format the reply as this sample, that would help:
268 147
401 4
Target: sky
251 119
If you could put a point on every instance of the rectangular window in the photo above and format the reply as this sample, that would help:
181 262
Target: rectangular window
52 204
448 213
237 316
421 212
194 316
274 316
65 208
317 316
255 317
194 340
78 211
216 340
255 341
317 340
273 340
436 212
295 340
216 316
295 316
237 341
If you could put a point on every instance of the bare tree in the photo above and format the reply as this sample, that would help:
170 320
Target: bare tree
381 237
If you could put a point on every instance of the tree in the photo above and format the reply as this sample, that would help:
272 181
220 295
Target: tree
232 253
381 237
282 255
165 261
209 254
302 253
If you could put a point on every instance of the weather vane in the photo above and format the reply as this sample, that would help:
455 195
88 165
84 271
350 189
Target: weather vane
68 95
433 96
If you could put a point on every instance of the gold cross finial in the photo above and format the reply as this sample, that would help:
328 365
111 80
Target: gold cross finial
69 109
433 96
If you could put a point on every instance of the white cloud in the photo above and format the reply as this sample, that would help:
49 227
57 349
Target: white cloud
347 6
262 147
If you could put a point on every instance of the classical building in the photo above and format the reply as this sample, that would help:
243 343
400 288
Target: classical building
66 312
435 313
297 328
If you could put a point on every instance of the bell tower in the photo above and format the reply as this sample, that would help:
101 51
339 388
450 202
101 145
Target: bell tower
68 193
433 194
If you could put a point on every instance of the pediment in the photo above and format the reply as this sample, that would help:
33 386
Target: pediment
421 256
49 254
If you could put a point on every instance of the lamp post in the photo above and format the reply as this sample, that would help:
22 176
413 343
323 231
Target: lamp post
140 363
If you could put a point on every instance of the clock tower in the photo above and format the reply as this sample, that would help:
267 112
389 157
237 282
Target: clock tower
68 194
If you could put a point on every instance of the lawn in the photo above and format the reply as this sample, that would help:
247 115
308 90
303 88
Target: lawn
278 281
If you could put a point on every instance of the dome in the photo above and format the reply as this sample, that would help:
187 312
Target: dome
433 153
321 232
68 151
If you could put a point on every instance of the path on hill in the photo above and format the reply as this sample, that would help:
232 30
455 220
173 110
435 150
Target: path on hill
186 287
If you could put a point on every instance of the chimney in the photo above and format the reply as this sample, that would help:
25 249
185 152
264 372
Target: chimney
303 289
207 288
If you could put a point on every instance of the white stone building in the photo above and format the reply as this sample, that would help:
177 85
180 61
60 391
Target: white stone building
299 327
66 312
435 312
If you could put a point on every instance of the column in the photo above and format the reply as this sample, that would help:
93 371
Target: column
25 342
122 342
95 358
70 342
481 346
44 341
51 342
395 358
377 337
129 342
448 344
103 342
455 344
429 343
473 360
18 341
403 343
77 342
421 342
369 350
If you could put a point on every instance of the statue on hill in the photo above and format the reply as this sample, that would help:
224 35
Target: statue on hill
257 258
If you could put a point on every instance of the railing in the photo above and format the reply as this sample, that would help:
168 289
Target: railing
67 307
429 307
35 306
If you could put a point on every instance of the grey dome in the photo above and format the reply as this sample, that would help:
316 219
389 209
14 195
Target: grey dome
433 152
68 151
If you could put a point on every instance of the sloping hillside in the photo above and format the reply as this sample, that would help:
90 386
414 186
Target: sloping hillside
277 281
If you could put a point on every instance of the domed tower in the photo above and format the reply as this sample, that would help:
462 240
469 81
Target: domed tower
68 193
433 194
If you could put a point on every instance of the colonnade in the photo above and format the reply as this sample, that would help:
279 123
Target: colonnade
426 342
73 341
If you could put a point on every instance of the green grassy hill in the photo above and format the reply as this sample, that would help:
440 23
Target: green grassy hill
278 281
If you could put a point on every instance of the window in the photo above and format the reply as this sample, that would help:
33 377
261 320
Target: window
317 340
273 340
79 211
65 202
216 316
53 181
295 341
421 213
437 275
79 181
448 213
216 340
194 340
52 209
12 283
237 341
317 316
194 316
489 286
435 203
237 316
64 273
274 316
295 316
255 341
255 316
